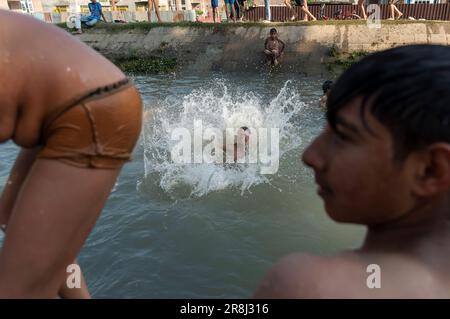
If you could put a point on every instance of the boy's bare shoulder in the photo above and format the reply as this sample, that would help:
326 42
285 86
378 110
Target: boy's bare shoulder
308 276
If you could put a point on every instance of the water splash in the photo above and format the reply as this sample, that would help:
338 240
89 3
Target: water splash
219 106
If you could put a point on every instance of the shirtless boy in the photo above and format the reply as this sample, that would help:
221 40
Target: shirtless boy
273 48
77 118
382 161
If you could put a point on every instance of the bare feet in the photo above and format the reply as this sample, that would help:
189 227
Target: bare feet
275 62
77 32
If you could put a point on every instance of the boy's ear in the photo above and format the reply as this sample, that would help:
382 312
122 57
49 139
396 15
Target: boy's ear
433 170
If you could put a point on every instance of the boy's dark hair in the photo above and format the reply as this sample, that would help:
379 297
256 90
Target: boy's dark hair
327 86
407 89
273 30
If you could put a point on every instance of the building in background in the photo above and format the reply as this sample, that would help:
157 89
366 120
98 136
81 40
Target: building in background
28 6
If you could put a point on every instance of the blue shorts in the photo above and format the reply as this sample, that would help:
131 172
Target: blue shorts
230 2
214 3
88 20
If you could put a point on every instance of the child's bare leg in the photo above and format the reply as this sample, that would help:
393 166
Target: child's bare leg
363 9
75 293
399 13
19 172
391 9
226 12
287 3
157 9
233 12
268 54
149 13
55 211
308 14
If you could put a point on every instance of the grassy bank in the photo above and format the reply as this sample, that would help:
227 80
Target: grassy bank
139 65
145 26
339 61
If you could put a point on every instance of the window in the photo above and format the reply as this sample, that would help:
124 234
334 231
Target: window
84 9
60 9
27 6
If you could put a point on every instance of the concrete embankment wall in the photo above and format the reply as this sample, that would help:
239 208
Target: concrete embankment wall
238 48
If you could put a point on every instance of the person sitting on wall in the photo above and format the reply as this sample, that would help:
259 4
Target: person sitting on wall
273 48
95 8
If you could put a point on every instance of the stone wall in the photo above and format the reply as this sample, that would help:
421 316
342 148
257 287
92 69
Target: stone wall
237 48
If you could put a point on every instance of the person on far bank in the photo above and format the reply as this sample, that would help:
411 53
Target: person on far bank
394 10
239 8
214 6
232 13
95 8
303 4
267 16
153 3
363 10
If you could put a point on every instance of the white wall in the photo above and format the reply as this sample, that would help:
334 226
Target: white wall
4 4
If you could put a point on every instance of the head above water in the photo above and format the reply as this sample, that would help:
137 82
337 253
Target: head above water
386 149
245 131
326 86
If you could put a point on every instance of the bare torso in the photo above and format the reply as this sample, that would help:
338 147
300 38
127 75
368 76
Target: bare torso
273 44
417 269
42 69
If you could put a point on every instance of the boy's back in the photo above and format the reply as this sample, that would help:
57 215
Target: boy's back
59 69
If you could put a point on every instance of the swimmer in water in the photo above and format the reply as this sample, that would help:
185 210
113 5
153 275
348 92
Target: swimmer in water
238 152
326 87
77 118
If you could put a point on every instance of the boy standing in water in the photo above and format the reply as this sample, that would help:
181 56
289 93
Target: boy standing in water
383 161
326 87
77 118
273 48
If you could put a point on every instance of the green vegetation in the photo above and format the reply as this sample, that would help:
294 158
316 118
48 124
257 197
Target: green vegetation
340 61
145 26
140 63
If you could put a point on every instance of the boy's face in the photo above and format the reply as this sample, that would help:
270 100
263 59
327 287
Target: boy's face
358 178
273 35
